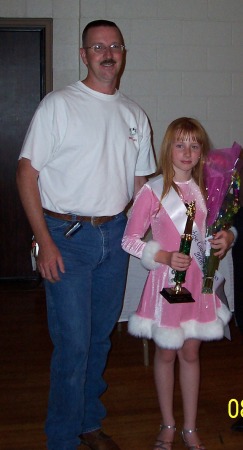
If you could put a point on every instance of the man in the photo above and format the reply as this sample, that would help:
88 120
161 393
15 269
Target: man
86 153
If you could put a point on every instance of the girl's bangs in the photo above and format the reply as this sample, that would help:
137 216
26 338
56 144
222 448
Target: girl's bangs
186 134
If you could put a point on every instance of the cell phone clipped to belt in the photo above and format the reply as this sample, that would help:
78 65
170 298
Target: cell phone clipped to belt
72 229
34 253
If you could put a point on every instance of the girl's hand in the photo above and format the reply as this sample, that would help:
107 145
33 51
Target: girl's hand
221 242
176 260
179 261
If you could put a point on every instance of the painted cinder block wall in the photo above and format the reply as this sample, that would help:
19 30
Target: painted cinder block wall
185 57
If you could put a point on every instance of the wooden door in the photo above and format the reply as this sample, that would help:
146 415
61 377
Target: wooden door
25 77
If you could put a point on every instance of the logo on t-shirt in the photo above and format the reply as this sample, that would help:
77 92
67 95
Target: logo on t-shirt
133 132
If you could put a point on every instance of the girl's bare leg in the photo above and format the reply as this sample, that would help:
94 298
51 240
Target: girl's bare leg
189 381
164 362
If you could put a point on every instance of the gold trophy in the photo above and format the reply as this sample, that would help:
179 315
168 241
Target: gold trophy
177 293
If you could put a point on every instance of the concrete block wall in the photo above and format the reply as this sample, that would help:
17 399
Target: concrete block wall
184 56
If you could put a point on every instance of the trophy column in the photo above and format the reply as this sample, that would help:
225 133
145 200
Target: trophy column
177 293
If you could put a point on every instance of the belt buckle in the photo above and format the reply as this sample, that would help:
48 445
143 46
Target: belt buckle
93 221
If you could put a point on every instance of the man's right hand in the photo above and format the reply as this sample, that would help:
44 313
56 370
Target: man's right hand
50 262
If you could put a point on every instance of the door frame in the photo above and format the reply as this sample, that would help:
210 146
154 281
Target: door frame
45 27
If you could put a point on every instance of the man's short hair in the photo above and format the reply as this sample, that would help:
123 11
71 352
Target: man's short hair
96 24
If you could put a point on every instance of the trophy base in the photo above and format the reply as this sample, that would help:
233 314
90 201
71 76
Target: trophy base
184 296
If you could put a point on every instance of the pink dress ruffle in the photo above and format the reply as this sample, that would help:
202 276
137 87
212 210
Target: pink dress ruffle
169 325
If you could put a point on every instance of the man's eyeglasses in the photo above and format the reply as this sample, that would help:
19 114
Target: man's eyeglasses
100 48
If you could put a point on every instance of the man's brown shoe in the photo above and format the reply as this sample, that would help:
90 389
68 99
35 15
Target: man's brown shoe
97 440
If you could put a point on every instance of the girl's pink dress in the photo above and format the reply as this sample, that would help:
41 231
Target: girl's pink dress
169 325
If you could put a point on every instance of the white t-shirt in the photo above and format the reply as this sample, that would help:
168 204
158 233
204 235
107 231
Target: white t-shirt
87 147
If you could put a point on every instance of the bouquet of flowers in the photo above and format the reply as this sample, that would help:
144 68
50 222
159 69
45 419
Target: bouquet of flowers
222 183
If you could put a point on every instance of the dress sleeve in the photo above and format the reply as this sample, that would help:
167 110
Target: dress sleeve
139 222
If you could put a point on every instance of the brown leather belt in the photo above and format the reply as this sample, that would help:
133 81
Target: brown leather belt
95 221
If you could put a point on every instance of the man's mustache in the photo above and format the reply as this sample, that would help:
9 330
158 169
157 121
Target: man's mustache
108 61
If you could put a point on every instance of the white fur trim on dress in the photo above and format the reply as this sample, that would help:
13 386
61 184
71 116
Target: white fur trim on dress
140 327
174 338
149 252
167 337
208 331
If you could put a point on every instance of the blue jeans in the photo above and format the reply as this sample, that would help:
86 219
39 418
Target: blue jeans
82 310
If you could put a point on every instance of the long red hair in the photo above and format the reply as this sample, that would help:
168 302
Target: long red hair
182 129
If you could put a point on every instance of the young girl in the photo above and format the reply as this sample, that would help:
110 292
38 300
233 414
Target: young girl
177 329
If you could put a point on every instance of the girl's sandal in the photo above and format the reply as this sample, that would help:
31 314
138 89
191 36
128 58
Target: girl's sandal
164 445
191 447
